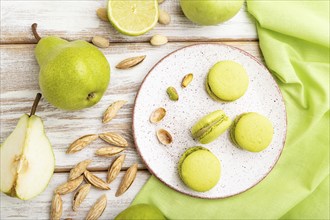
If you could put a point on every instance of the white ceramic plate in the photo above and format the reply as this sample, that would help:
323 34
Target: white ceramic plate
241 169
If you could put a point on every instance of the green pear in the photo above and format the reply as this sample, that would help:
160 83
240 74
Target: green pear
27 159
210 12
141 212
73 75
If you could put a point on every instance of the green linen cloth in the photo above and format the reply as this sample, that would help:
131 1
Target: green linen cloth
294 40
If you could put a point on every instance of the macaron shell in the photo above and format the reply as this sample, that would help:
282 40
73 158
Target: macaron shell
208 90
201 170
220 124
227 80
207 120
215 131
253 132
187 153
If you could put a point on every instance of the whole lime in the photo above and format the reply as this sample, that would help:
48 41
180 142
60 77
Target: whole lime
210 12
141 212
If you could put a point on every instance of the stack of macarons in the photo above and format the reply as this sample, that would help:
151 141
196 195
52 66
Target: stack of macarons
198 167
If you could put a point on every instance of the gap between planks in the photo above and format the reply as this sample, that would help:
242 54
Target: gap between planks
220 40
95 169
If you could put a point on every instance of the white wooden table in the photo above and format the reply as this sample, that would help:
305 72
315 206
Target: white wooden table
77 20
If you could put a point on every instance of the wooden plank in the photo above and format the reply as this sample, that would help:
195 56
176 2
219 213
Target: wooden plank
78 20
19 85
38 208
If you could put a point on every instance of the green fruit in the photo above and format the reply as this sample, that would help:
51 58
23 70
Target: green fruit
73 75
133 18
27 159
141 212
210 12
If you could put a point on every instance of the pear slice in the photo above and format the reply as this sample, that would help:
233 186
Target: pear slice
27 159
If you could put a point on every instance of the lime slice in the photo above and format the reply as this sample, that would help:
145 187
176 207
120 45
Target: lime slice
133 17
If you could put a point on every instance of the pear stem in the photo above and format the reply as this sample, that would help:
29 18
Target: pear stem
35 104
34 31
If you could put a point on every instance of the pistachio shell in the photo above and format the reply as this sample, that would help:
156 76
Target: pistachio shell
157 115
186 80
164 137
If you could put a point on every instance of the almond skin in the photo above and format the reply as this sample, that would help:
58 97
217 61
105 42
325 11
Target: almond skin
56 207
81 143
115 168
114 138
130 62
97 209
112 110
127 180
96 181
79 169
69 186
80 195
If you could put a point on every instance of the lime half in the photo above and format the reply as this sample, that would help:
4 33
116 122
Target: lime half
133 17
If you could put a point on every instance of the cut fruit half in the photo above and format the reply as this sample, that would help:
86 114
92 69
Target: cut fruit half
27 160
133 17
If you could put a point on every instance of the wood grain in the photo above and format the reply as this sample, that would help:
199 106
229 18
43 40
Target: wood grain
72 19
39 207
19 84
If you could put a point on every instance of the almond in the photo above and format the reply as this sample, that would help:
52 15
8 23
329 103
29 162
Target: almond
81 143
79 169
80 195
127 180
96 181
69 186
130 62
114 138
109 151
115 168
112 110
56 207
97 209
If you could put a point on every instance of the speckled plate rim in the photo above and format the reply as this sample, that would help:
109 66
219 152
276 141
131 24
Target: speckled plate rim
277 87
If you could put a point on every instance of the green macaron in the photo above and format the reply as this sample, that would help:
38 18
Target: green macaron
211 126
252 132
227 81
199 169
